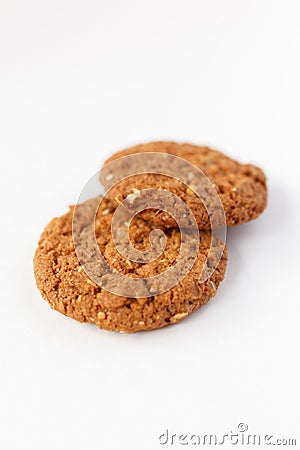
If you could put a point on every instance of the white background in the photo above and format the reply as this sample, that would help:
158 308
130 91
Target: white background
79 80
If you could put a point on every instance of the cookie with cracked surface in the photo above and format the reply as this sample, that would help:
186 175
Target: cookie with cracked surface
65 285
240 187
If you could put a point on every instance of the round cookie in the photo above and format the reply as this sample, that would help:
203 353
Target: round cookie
66 287
241 187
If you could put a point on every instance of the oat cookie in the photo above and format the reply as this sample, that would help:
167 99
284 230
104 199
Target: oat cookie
241 187
65 286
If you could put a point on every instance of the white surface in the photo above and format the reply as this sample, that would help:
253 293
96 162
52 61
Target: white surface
79 80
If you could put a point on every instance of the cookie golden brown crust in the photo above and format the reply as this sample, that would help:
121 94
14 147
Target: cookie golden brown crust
66 287
241 187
